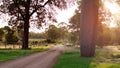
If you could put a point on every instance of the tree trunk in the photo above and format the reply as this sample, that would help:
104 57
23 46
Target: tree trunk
88 23
25 34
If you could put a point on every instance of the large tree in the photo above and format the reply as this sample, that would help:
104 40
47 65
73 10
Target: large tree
53 33
25 10
88 23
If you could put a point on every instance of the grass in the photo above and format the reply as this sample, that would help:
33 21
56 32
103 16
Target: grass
106 65
9 54
72 59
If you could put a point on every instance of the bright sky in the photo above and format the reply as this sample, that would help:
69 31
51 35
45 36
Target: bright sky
63 16
114 9
3 20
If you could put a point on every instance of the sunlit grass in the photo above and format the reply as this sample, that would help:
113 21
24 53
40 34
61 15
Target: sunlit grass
19 46
44 47
105 65
72 59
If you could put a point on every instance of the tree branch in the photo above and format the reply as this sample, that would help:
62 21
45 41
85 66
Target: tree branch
19 10
37 7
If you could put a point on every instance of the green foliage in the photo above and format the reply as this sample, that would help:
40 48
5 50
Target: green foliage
49 41
23 10
116 55
11 39
6 28
10 36
1 34
53 33
74 37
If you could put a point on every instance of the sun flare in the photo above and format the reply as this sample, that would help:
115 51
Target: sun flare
113 8
112 25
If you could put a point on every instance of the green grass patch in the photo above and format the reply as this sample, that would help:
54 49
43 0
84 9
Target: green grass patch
72 59
105 65
8 54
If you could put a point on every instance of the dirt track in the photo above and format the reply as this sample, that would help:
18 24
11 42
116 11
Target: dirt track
39 60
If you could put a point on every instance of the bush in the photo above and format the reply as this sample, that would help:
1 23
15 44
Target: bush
49 41
116 55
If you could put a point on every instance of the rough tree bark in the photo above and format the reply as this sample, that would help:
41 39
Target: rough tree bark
25 35
88 23
26 25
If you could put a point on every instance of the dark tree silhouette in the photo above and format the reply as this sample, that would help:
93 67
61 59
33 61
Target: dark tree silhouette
88 24
24 10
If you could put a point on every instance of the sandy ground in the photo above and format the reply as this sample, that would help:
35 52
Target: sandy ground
39 60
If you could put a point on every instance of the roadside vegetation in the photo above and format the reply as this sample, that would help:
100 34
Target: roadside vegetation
9 54
11 41
104 58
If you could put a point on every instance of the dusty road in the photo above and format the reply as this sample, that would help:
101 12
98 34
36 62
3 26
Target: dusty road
39 60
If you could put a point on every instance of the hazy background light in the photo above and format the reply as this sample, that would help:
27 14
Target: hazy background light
114 8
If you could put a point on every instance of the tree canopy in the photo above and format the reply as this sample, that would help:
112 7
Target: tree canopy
23 9
34 12
53 33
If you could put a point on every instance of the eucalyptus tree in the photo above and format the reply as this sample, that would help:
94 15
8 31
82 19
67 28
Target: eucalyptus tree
32 11
53 33
88 24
